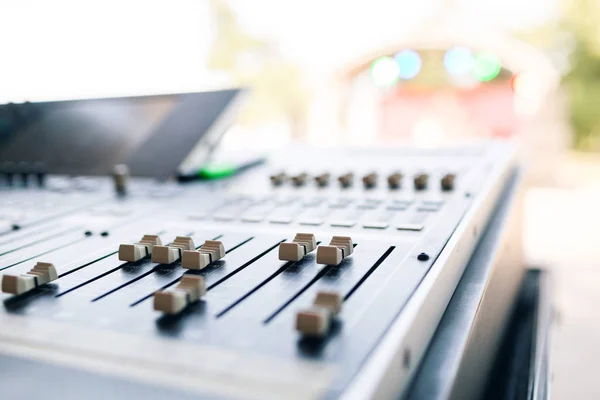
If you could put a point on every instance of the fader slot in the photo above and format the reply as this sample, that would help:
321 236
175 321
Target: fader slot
129 282
341 278
63 242
95 278
257 287
244 265
286 267
11 248
383 257
27 235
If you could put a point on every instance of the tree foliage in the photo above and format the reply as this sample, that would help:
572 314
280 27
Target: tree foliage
583 79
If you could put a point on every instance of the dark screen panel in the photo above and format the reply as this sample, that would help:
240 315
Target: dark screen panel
153 134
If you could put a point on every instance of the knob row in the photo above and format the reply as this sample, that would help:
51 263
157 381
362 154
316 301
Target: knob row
182 248
23 171
394 180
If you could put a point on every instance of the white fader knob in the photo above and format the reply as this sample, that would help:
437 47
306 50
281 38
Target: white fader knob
171 253
209 252
41 274
302 244
139 250
339 248
316 321
190 289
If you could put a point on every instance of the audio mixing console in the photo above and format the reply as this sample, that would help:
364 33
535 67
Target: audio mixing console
320 274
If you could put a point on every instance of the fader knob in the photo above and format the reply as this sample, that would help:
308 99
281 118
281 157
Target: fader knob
278 179
9 168
300 179
420 181
24 170
316 321
447 182
302 244
39 169
172 252
370 180
209 252
139 250
339 248
189 290
346 179
395 180
322 180
41 274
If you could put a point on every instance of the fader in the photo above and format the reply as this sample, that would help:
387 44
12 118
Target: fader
209 252
302 244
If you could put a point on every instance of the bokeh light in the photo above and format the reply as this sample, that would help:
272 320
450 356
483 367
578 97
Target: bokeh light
459 61
409 62
527 85
486 66
385 71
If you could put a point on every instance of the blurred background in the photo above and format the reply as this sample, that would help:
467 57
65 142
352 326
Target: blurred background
366 73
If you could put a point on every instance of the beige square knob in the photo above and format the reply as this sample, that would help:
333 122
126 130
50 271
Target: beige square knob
189 289
209 252
139 250
40 274
313 322
316 321
172 252
302 244
339 248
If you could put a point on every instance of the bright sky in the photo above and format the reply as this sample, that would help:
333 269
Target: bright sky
319 33
74 48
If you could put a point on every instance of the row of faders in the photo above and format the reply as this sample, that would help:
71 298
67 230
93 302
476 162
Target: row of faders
339 248
182 248
394 180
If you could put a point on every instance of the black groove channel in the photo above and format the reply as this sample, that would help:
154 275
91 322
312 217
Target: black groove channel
314 280
275 274
102 275
246 264
45 252
370 271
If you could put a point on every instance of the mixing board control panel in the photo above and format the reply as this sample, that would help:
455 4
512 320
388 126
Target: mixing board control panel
313 276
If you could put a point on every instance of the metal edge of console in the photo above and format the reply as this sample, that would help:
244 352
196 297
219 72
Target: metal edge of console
389 370
442 369
540 374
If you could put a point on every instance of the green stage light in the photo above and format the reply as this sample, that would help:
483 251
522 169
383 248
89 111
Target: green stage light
486 67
